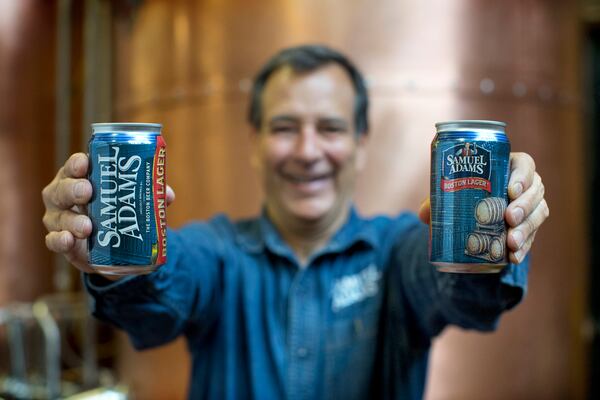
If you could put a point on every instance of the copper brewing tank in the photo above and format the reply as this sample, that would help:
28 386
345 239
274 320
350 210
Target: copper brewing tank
189 64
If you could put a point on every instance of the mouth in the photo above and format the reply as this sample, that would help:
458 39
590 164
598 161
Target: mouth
300 179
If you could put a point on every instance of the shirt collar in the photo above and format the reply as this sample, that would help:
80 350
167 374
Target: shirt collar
254 235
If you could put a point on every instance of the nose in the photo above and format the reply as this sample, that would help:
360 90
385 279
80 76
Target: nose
308 147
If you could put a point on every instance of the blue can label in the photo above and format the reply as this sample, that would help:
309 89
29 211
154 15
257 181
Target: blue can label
128 203
469 183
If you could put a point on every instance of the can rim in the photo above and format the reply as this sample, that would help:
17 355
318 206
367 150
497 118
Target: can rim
470 123
102 127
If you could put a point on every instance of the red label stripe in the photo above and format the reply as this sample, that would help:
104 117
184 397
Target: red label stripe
454 185
160 198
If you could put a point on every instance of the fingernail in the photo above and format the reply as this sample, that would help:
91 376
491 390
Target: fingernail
517 189
518 215
79 189
519 256
518 238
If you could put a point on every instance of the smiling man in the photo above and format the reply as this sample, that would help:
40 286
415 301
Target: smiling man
308 300
308 152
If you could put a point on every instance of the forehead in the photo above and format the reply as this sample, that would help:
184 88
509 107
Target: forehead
327 90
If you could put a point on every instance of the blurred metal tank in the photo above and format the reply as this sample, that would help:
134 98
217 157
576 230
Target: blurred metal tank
26 144
189 64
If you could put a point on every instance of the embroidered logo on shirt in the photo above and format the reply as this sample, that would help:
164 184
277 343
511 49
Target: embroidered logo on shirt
354 288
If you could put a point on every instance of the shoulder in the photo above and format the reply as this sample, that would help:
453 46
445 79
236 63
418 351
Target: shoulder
389 234
390 227
219 228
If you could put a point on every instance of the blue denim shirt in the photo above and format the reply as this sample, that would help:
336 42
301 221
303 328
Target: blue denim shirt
356 323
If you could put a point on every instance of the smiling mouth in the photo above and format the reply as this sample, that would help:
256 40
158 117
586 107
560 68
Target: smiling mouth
305 179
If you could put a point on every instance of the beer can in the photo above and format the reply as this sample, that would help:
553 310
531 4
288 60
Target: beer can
469 196
128 205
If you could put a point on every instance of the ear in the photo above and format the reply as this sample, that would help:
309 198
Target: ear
361 151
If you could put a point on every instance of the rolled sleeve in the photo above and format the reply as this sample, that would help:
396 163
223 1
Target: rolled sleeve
156 308
471 301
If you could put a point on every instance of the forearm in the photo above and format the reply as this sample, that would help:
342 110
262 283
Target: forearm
476 301
472 301
129 304
156 308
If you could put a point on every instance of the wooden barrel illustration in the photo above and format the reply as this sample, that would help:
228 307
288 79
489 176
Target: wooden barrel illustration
477 243
490 210
497 248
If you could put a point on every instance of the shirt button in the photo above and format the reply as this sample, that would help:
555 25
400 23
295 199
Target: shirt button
302 352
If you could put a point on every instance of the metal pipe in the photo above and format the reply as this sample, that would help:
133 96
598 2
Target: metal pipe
52 345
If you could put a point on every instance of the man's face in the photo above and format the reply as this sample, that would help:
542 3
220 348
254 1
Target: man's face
307 151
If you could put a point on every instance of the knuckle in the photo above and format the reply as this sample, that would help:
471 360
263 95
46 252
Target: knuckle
57 193
48 240
546 209
65 193
537 179
63 221
530 160
47 221
46 197
46 191
531 226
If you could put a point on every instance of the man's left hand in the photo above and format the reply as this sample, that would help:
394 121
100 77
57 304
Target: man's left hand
526 211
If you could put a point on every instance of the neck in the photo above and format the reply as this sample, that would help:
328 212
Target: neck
305 237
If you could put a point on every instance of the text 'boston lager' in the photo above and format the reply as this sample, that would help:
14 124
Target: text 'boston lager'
469 195
128 206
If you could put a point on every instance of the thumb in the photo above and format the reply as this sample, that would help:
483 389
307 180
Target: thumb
170 195
425 211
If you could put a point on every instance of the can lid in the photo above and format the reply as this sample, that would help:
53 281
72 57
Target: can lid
469 124
110 127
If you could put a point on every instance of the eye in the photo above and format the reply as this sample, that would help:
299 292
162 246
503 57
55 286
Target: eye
332 129
283 129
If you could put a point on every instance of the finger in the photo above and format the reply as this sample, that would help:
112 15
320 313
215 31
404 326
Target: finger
170 195
425 211
78 225
78 256
519 235
522 169
521 207
75 251
60 242
518 256
76 166
68 192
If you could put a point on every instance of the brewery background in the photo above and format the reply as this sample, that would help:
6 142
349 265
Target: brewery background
188 65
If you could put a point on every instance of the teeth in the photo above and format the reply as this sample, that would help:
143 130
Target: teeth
296 179
300 179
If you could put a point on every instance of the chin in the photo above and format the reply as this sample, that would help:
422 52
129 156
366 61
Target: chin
311 211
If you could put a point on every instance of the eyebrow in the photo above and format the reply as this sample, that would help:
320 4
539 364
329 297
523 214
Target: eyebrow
291 118
283 118
334 121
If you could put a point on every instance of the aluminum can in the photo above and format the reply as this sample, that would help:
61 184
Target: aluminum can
469 196
128 205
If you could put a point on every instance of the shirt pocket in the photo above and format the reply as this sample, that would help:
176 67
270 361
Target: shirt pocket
350 350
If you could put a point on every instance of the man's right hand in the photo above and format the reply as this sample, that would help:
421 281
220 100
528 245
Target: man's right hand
66 198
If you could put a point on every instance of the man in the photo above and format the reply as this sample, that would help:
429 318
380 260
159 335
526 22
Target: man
308 300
